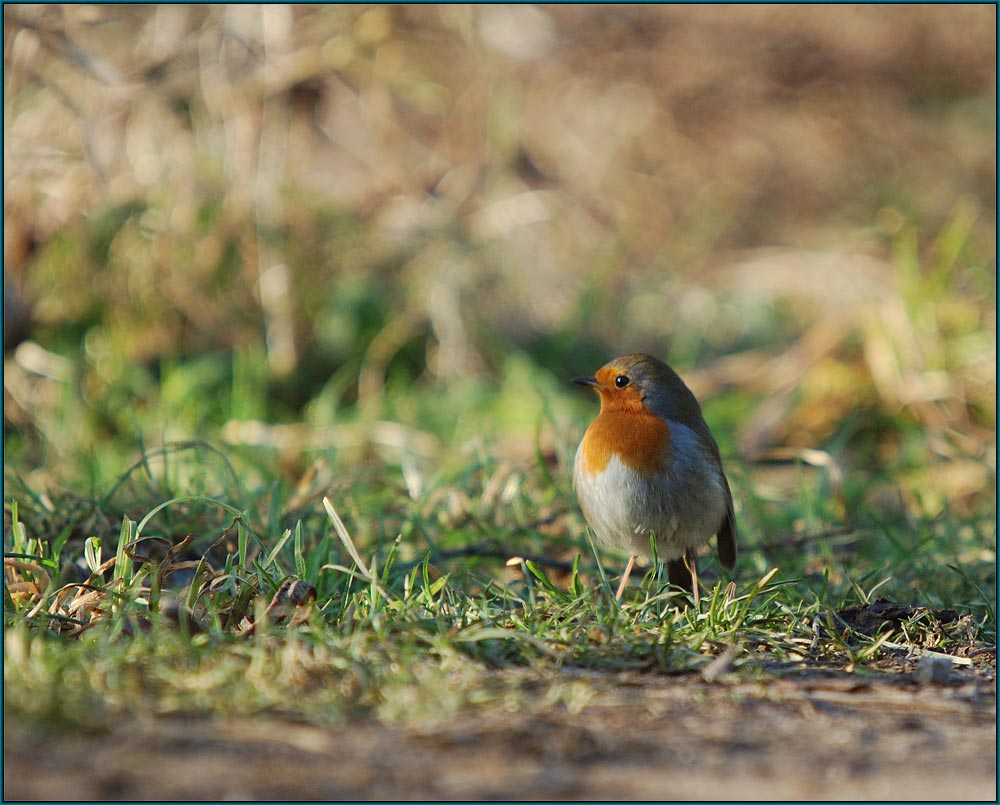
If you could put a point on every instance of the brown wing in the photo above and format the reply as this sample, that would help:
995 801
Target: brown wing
726 537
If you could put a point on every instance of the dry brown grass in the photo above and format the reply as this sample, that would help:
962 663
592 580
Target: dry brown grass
808 190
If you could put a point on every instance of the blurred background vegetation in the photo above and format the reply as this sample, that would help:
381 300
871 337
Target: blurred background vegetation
331 240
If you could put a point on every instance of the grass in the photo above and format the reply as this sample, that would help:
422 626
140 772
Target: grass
167 548
384 589
424 556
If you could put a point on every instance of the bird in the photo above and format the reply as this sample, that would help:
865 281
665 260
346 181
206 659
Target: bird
648 468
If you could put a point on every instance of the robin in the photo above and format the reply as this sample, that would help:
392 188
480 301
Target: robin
648 467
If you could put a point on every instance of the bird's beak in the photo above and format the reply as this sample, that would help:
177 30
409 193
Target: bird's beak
586 381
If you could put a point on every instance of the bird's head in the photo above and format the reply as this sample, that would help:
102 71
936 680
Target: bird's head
635 383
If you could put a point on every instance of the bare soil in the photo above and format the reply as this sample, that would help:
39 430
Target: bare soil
817 736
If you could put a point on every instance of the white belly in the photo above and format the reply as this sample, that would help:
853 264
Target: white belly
682 507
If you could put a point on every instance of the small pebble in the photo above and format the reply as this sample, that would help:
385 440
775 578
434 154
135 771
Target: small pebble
933 671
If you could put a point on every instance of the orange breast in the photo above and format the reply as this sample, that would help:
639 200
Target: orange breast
638 438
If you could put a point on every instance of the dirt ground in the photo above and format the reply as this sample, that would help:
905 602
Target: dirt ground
818 736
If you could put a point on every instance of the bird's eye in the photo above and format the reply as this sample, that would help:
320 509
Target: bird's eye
622 381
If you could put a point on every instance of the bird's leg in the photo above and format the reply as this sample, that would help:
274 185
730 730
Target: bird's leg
624 582
691 562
